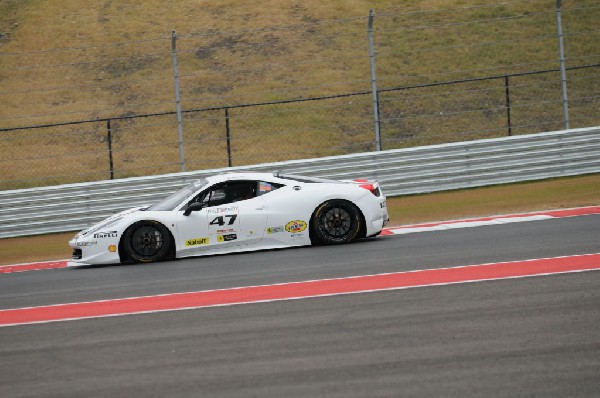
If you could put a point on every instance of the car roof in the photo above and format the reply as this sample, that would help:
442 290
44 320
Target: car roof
240 176
269 177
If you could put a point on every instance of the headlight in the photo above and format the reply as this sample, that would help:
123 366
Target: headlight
103 224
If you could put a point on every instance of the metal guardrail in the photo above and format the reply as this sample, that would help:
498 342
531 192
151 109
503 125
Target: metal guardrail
402 171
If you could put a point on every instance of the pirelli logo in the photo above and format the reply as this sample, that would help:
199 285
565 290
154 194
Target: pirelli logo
197 242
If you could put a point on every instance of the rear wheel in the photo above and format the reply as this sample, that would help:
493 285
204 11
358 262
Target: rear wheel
146 241
336 221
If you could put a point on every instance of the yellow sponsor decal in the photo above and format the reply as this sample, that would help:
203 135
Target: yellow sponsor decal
197 241
295 226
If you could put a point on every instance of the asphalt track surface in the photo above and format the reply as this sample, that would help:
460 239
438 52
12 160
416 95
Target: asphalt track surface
537 336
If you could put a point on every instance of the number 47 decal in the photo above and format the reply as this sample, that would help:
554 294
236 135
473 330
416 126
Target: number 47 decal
220 220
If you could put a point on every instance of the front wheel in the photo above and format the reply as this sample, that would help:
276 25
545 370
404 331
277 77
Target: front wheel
146 241
336 221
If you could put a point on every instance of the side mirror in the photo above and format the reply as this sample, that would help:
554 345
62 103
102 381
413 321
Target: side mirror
196 206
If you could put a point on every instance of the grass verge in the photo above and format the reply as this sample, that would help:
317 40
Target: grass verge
504 199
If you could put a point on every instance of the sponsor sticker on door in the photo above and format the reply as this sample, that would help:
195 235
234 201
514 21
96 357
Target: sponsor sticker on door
295 226
274 230
226 238
197 241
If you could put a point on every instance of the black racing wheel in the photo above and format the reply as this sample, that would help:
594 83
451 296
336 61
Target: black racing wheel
336 221
146 241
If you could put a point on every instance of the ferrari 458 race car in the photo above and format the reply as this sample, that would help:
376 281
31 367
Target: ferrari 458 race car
235 212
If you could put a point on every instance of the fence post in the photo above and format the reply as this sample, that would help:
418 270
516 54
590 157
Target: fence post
177 100
563 73
507 90
228 137
110 154
374 84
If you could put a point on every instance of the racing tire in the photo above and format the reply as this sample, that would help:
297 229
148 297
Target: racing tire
146 242
336 222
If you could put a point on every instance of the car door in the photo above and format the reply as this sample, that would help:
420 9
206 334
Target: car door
192 231
227 219
238 223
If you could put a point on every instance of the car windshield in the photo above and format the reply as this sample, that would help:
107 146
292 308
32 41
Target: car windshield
174 200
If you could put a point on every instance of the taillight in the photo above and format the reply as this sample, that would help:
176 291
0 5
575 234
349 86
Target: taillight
369 187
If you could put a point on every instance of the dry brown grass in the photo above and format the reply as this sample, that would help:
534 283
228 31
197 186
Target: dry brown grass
504 199
75 60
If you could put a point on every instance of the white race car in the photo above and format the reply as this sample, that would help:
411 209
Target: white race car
235 212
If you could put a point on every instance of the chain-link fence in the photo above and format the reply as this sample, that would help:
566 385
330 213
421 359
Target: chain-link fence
246 96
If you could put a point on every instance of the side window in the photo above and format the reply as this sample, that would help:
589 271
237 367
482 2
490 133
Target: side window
203 197
227 192
215 196
236 191
266 187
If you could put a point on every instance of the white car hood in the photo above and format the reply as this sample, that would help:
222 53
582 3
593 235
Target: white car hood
110 220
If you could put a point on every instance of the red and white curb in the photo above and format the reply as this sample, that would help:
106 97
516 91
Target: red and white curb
299 290
37 266
494 220
406 229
